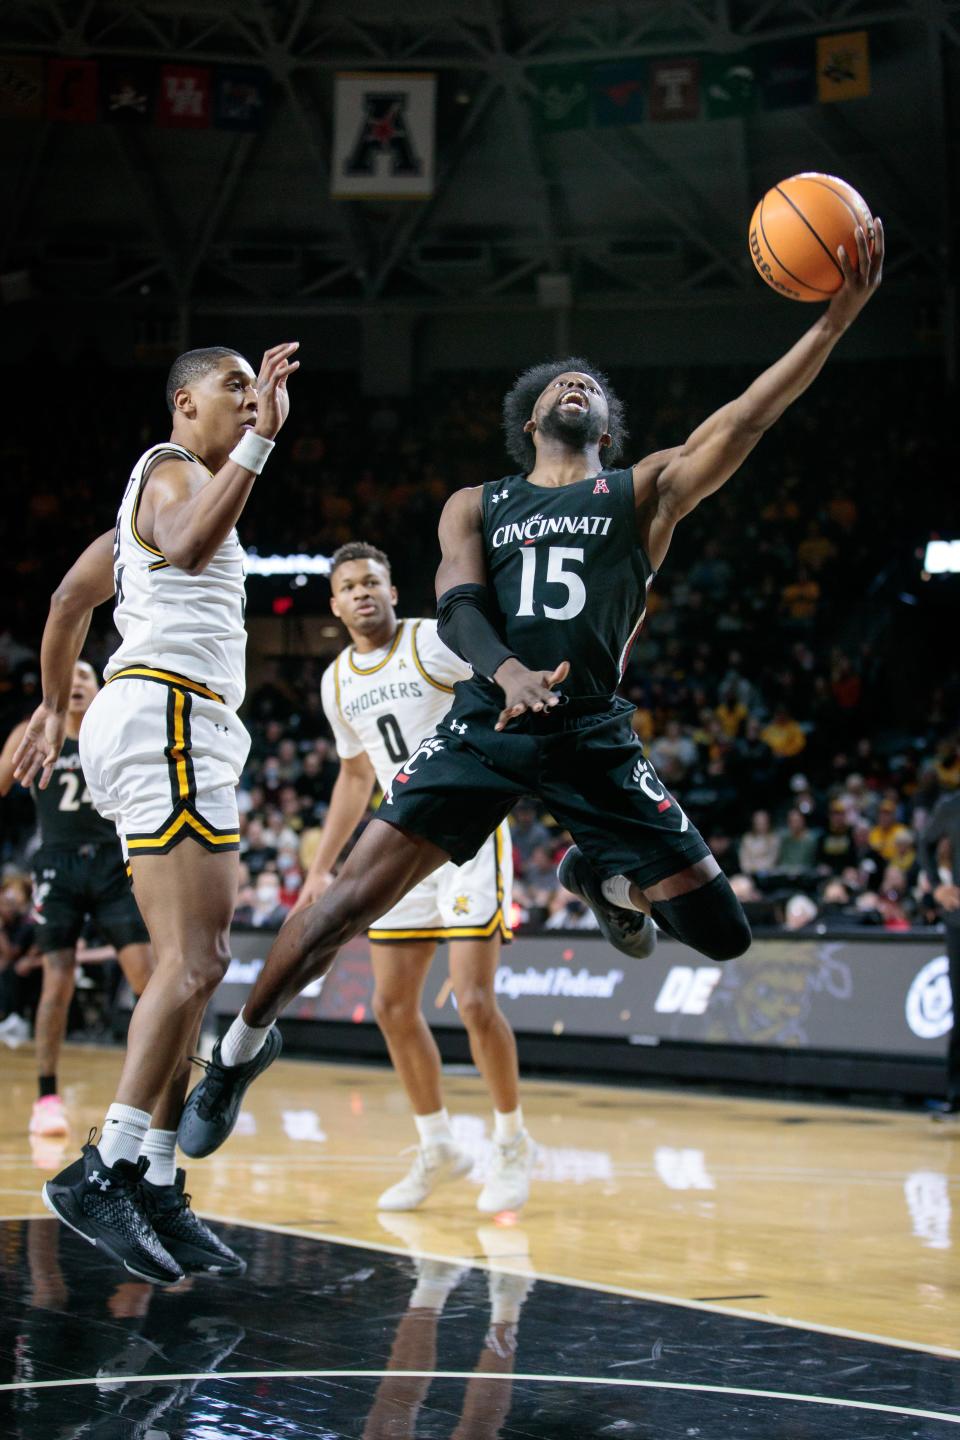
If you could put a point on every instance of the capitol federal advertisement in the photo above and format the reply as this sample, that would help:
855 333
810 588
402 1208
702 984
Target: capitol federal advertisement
880 996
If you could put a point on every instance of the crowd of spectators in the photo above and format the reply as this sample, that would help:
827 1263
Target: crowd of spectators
792 681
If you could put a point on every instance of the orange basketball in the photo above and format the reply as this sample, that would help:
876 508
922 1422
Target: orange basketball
797 229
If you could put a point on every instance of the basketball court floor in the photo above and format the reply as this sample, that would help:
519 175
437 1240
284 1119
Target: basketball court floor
688 1266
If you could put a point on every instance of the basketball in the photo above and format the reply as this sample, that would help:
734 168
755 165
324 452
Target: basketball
797 228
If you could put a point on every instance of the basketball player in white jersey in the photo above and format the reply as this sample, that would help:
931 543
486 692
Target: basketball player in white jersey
383 695
162 750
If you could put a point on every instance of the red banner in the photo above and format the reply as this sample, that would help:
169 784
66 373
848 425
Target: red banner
184 102
674 89
72 91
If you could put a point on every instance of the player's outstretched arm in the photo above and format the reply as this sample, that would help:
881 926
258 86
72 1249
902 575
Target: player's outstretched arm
87 584
462 620
186 514
679 479
348 803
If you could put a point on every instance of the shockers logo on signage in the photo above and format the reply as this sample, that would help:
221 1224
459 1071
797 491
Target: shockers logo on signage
383 139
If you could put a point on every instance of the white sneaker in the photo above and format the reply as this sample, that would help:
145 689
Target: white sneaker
433 1165
14 1031
48 1116
508 1184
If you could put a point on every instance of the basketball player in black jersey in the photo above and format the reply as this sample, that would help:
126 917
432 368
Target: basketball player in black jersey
541 588
78 874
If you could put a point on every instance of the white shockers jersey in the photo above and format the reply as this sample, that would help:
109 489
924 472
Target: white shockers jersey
386 701
188 626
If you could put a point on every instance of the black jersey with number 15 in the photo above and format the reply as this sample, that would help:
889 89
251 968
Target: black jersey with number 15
567 577
65 811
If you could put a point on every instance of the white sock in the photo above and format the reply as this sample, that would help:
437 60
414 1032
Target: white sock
434 1129
160 1149
242 1042
507 1125
617 891
432 1293
124 1131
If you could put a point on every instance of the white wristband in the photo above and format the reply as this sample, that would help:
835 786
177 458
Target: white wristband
252 451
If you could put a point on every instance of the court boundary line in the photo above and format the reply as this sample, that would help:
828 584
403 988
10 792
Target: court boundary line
683 1386
655 1296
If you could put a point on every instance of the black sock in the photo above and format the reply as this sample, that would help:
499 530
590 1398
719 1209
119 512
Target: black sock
48 1085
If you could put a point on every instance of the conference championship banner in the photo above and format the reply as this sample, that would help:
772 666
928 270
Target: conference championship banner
847 996
383 137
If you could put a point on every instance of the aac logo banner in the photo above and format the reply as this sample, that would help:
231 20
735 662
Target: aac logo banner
383 138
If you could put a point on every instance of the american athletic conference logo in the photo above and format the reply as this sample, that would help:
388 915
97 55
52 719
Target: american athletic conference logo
408 769
384 131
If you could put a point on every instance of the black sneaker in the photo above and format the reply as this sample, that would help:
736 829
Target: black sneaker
630 931
191 1243
213 1106
102 1203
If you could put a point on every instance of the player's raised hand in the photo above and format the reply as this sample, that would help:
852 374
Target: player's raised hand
273 402
862 280
525 689
40 747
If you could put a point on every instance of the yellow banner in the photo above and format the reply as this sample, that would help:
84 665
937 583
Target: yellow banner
843 66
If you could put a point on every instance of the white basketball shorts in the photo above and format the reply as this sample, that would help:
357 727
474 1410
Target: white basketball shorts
457 902
162 756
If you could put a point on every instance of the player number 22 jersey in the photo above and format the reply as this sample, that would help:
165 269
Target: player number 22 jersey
386 701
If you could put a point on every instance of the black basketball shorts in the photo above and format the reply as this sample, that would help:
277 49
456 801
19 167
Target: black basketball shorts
72 885
582 760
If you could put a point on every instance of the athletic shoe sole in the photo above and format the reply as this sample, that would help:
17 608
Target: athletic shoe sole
198 1137
99 1243
575 874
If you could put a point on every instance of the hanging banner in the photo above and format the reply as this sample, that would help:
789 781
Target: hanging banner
730 85
787 75
127 90
561 97
618 93
72 91
239 98
843 66
674 89
185 95
21 87
383 137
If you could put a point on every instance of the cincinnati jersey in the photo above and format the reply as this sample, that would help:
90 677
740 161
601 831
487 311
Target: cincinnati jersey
386 701
65 811
192 625
567 577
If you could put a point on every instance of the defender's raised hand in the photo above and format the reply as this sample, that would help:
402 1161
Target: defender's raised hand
525 689
862 281
273 402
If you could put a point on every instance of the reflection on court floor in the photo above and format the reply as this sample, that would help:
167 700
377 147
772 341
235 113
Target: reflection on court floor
323 1340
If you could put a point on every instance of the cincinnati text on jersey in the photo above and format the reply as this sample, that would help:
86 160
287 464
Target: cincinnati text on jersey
538 526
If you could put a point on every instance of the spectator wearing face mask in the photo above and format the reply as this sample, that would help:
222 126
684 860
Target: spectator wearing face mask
266 910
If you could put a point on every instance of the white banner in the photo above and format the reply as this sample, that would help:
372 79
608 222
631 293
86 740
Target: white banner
383 136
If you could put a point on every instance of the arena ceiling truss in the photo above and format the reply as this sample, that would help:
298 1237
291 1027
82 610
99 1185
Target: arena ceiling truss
630 215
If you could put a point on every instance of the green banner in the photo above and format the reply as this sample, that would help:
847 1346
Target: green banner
561 99
730 85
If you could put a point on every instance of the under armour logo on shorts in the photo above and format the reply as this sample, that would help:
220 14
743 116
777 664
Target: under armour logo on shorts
458 729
